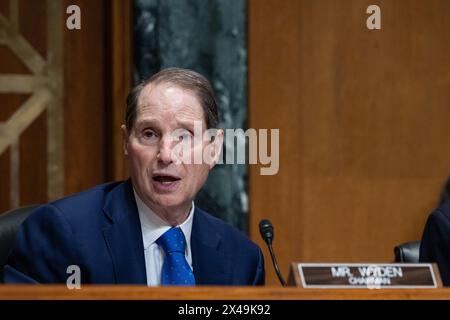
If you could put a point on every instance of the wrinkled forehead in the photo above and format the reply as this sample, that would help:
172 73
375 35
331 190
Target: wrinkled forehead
169 97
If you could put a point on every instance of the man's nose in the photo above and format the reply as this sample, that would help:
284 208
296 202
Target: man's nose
165 154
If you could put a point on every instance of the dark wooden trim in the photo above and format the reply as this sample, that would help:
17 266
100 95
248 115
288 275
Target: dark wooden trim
119 81
90 292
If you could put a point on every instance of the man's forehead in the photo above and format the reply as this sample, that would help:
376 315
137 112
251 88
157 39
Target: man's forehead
167 90
167 98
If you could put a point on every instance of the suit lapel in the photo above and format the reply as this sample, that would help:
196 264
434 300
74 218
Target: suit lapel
123 235
211 265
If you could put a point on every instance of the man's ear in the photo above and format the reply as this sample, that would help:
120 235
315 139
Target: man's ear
216 148
125 137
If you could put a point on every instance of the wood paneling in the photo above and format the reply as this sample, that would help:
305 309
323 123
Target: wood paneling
29 18
33 163
5 168
32 154
9 63
31 14
274 79
363 118
84 101
84 98
120 81
9 104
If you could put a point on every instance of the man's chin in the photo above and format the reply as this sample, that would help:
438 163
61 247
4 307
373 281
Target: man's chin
169 201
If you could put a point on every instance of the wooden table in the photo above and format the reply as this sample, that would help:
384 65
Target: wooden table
93 292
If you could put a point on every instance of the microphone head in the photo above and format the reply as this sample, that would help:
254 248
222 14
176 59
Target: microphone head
266 230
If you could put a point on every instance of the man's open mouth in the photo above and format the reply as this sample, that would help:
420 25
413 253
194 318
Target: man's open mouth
165 179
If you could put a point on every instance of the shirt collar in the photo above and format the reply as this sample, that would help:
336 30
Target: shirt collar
153 226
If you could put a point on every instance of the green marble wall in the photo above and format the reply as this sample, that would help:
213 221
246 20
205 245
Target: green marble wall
208 36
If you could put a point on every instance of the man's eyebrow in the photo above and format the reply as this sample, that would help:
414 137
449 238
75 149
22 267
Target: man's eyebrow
146 122
187 124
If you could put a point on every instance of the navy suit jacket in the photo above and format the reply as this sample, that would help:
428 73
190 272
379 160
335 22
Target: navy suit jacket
99 230
435 244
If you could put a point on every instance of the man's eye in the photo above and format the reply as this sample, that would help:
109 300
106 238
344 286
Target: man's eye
183 136
148 134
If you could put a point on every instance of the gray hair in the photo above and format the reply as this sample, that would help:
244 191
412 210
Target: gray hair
186 79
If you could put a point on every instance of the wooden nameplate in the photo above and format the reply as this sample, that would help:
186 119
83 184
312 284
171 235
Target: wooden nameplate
364 275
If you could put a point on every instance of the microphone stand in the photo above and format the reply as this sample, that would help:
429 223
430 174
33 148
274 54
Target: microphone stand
275 264
267 233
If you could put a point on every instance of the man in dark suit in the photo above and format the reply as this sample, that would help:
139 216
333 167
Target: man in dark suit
435 244
146 230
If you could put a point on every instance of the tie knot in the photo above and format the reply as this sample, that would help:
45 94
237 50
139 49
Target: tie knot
172 240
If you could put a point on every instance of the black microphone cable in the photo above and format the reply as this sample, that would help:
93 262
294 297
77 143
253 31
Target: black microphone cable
267 233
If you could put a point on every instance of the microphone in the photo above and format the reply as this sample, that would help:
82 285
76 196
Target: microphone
266 230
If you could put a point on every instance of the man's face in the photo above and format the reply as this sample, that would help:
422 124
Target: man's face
161 180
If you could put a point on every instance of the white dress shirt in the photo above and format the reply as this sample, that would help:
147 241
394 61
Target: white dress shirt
152 228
